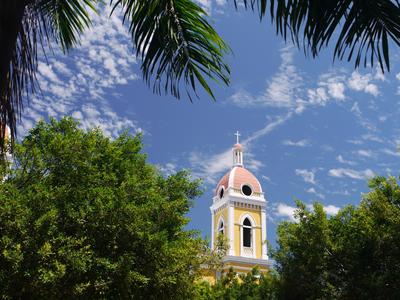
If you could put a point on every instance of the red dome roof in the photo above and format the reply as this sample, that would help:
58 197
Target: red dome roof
237 177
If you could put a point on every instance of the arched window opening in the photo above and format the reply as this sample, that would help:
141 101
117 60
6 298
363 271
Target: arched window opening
221 192
221 227
246 233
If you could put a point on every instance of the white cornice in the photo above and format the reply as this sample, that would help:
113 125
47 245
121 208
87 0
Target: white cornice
250 200
247 260
231 200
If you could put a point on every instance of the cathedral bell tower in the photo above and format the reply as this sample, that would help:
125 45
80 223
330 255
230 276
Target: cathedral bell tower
239 212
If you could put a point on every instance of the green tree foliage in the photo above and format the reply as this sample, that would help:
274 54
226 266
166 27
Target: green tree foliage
368 243
303 255
232 286
212 258
353 255
83 216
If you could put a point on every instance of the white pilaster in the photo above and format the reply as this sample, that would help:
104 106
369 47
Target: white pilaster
231 228
212 229
264 234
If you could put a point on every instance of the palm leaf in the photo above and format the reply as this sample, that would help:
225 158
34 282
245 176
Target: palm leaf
175 43
42 21
64 19
361 28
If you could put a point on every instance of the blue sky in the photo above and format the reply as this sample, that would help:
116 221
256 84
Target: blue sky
312 130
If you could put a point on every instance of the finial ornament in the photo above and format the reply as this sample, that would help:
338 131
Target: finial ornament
237 152
237 136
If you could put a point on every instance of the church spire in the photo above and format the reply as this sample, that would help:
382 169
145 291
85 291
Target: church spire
237 152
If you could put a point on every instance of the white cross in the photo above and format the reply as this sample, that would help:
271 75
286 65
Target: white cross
237 137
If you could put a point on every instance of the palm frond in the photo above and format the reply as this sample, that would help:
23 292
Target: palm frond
363 29
41 22
175 43
65 20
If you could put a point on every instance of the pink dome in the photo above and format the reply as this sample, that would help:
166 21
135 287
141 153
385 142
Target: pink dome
238 146
236 178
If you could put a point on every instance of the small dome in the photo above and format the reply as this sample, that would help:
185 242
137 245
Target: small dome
237 146
237 178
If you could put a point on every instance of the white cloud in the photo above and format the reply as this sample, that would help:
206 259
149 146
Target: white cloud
313 191
47 72
342 192
61 68
356 142
75 84
372 89
379 75
282 90
390 152
267 178
104 118
168 168
372 138
206 5
284 210
209 167
340 159
331 210
300 143
269 127
317 96
209 6
111 66
343 172
336 90
365 153
363 83
287 211
308 176
252 163
356 109
327 148
286 89
334 84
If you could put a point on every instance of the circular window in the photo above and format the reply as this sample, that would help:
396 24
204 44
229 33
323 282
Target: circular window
246 190
221 192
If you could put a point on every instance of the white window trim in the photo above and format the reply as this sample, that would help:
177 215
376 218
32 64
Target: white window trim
253 235
251 187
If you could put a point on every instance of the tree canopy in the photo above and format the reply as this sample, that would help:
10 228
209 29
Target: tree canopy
84 216
353 255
